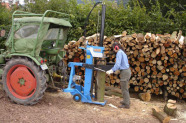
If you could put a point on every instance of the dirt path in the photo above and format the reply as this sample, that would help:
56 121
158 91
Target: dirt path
59 107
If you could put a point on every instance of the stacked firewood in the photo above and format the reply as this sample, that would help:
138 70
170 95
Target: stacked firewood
157 62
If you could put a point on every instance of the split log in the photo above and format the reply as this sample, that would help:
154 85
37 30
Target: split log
145 96
170 109
172 101
116 90
162 116
124 33
136 88
100 83
140 37
110 93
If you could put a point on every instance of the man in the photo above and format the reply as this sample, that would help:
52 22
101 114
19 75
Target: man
125 73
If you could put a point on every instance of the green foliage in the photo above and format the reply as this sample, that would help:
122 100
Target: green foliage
140 16
163 16
5 20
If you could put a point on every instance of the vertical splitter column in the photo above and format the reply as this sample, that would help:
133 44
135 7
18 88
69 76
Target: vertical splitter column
91 51
88 74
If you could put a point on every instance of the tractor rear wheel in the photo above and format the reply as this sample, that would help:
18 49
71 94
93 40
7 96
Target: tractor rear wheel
23 81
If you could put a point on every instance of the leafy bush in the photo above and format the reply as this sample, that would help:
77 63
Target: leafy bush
140 16
5 20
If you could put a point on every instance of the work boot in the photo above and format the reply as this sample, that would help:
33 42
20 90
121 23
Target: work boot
124 106
122 102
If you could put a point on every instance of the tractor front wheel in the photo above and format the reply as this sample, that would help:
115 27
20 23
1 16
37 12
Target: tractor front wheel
23 81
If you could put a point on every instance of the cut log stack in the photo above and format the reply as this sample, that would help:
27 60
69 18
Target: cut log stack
157 62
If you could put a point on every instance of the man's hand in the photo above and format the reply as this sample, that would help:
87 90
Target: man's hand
109 72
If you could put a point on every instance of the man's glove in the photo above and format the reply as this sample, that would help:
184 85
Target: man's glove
109 72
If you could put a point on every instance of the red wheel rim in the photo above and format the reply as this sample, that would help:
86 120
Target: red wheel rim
21 81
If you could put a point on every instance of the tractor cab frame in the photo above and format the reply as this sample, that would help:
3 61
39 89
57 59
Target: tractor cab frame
35 33
34 55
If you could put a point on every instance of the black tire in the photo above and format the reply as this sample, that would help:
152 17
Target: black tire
36 74
77 95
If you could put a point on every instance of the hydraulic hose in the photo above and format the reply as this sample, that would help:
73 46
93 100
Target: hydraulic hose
86 21
102 25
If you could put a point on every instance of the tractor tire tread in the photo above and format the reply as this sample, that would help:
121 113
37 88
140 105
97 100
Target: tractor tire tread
40 77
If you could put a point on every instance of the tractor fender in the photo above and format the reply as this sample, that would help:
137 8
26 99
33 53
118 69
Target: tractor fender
33 58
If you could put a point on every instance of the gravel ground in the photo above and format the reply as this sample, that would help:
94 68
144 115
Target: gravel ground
59 107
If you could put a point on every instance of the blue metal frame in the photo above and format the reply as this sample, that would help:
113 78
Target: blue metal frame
74 88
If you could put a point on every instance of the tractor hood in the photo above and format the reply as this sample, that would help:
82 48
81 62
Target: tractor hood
56 21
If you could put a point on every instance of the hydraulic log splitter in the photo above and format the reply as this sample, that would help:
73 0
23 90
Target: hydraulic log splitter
78 91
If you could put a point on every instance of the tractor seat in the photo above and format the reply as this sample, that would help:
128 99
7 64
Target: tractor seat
52 51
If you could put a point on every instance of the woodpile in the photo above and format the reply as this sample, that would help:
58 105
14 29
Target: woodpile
157 62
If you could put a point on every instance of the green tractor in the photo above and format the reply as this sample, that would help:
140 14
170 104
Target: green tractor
34 55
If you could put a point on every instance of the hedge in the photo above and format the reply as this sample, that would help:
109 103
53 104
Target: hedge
134 17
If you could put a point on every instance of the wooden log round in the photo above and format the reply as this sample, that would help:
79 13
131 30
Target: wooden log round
170 109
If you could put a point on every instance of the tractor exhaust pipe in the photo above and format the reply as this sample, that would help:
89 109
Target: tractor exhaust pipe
102 25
